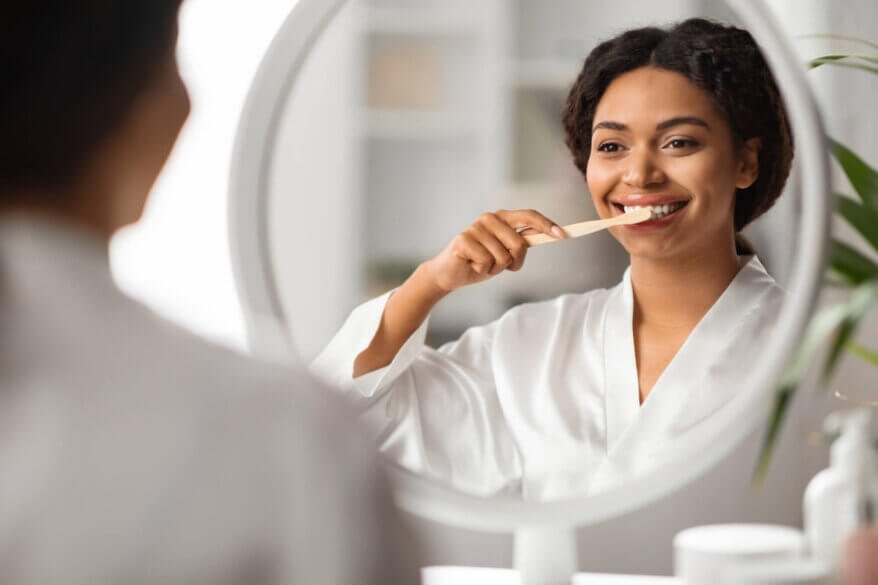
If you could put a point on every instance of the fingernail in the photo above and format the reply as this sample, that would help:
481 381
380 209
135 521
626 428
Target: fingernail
559 233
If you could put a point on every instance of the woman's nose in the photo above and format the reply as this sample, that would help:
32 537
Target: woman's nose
642 171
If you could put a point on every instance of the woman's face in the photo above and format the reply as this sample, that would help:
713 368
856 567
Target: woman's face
660 141
152 130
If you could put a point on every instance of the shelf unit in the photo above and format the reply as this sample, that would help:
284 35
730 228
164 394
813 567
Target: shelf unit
393 20
429 120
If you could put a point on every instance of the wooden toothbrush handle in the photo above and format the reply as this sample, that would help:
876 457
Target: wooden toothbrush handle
584 228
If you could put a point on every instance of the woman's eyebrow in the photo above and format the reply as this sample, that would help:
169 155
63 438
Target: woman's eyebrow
609 126
681 120
670 123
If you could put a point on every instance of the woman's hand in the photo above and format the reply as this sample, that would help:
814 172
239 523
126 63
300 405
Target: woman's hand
493 243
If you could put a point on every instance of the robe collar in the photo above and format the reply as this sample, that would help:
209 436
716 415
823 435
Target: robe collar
47 260
683 395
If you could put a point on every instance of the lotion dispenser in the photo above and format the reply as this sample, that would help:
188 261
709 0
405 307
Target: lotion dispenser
834 495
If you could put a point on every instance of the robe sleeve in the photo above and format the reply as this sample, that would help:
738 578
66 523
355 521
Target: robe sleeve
437 412
335 364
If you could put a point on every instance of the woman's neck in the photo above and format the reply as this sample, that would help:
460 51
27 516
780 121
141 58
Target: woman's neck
678 293
91 208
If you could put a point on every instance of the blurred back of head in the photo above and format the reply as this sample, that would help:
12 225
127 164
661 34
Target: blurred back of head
71 71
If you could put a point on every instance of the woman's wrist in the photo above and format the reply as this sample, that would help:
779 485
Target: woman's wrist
405 311
425 284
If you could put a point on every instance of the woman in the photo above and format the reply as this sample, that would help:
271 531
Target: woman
133 452
569 396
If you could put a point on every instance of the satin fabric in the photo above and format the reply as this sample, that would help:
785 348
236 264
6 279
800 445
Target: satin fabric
133 452
544 402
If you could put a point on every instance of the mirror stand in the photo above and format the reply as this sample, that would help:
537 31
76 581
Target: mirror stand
545 555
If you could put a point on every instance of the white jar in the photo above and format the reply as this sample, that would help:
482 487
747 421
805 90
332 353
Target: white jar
798 572
704 554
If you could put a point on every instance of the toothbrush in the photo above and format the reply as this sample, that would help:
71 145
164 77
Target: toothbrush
584 228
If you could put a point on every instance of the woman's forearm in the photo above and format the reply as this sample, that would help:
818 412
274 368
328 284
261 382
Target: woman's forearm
405 311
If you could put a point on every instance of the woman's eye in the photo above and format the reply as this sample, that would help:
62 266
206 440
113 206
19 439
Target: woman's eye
610 147
677 143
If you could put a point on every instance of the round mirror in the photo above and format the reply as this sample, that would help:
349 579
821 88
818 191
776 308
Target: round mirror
377 130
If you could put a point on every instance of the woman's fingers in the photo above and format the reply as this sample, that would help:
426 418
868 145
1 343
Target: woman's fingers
500 235
515 245
492 244
530 218
469 248
502 258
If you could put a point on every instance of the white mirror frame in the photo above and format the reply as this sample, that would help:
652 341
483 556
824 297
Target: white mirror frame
269 331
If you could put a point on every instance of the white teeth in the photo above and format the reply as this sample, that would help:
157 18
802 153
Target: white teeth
657 211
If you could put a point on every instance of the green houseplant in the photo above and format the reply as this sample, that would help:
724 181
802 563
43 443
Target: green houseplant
854 270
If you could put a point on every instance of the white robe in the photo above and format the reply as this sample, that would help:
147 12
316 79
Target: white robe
544 402
133 452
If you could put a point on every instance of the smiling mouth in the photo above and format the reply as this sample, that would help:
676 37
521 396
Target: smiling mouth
658 211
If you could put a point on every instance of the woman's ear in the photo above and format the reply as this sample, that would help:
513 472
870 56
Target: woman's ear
748 166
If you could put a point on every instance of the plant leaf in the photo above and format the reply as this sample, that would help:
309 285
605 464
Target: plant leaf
838 37
859 304
869 58
769 442
834 280
847 265
862 352
863 219
863 178
850 265
820 327
851 61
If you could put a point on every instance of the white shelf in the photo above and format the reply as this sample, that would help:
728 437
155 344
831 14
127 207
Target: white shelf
420 23
545 74
417 125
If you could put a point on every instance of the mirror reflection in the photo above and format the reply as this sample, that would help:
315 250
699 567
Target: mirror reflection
426 144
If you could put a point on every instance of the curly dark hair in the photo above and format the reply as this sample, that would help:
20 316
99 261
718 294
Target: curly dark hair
722 60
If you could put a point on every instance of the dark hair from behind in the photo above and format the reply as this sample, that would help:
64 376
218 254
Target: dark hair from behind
71 72
722 60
